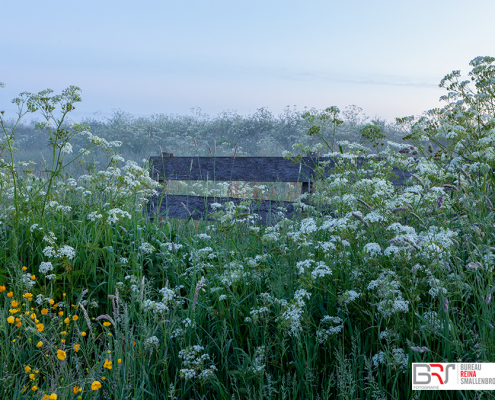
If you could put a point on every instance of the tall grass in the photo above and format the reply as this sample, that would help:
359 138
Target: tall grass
97 301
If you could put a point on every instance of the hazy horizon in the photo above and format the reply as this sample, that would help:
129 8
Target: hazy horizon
165 57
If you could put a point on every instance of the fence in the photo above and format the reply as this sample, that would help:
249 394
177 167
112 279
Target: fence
246 169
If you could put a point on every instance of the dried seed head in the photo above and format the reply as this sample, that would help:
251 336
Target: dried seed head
417 217
364 203
357 216
418 179
105 316
398 209
411 242
465 174
439 201
449 187
445 305
404 150
430 148
489 203
86 316
415 267
420 349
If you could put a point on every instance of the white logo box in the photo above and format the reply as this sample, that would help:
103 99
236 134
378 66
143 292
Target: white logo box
453 376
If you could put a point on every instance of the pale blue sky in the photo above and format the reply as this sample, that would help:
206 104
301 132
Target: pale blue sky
146 57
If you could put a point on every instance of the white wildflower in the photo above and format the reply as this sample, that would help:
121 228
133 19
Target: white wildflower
45 267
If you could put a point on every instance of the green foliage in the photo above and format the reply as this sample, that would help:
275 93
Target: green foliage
321 306
373 134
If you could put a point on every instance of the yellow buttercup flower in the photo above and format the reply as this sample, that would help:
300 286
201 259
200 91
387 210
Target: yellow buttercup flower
95 385
2 288
107 364
51 302
77 347
31 376
32 277
40 327
119 360
44 311
67 320
39 344
60 313
77 389
10 294
107 323
34 388
14 303
75 318
27 369
83 334
24 268
11 319
61 355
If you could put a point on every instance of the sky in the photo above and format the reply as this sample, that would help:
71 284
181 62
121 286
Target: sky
169 56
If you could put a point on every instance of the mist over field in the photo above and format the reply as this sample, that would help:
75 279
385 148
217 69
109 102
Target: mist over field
196 134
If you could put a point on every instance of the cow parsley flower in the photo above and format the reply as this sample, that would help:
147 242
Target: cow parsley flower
93 216
116 214
373 249
349 296
45 267
33 227
147 248
152 342
66 251
66 148
49 252
329 326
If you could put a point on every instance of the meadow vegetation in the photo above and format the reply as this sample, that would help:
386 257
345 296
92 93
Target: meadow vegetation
97 301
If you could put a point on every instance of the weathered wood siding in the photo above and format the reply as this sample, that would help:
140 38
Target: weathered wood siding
248 169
